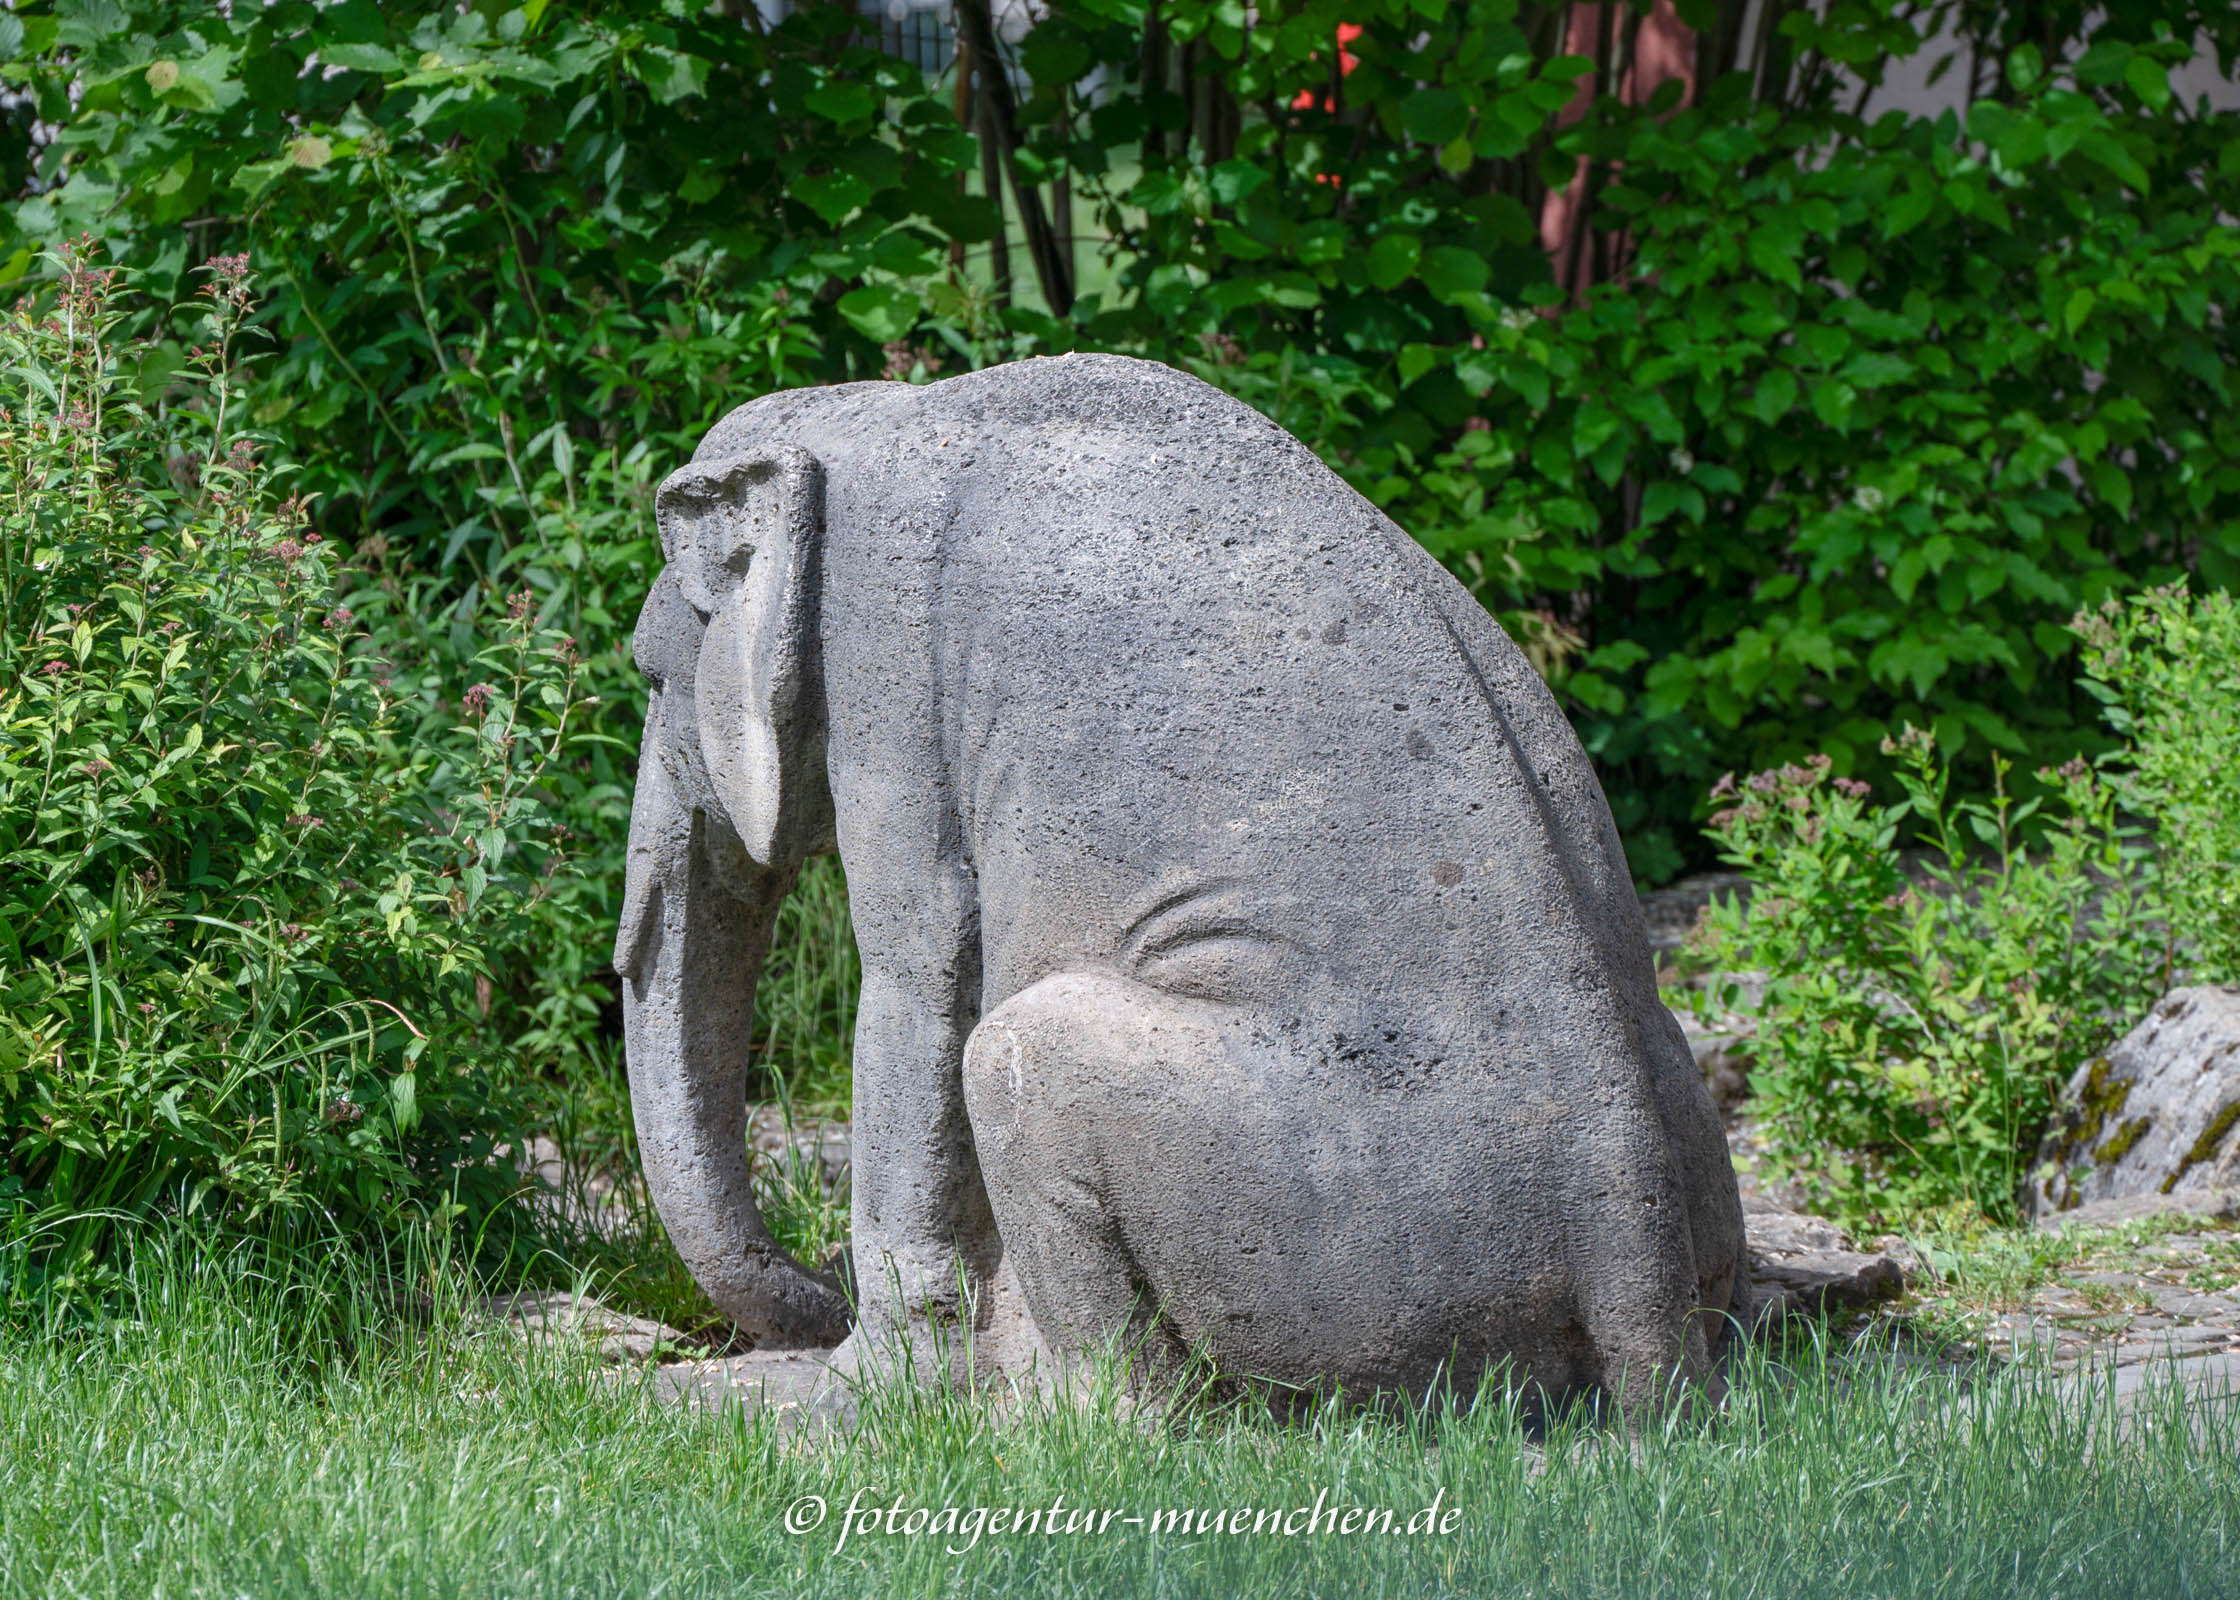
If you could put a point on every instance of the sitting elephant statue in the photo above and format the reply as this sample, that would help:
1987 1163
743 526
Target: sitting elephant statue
1250 964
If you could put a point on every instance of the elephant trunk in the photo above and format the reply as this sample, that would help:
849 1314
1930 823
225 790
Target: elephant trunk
690 951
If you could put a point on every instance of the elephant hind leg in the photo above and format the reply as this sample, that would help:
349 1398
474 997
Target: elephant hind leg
1155 1175
1042 1075
1639 1289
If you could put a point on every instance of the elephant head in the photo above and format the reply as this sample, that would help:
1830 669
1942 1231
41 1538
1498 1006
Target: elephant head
731 798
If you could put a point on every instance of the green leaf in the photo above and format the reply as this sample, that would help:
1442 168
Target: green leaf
89 24
1415 361
175 86
2104 63
1448 270
840 101
1832 401
1872 370
1320 242
404 1101
2113 485
833 196
361 57
1776 393
255 177
1908 210
1824 343
671 75
1231 181
2022 143
2105 149
1434 116
881 312
2149 81
174 177
1055 52
1392 259
1906 573
1663 498
2025 66
1773 251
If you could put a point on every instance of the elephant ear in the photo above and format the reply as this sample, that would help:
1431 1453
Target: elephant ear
745 538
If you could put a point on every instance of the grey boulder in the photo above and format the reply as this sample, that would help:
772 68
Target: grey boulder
2155 1117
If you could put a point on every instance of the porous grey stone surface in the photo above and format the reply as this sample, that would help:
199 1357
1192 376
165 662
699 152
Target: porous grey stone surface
2158 1115
1249 957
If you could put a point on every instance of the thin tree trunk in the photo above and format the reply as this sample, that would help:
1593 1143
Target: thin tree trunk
999 121
991 170
960 62
1061 197
1605 82
1723 49
1154 79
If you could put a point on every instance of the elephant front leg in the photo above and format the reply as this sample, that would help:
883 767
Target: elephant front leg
928 1259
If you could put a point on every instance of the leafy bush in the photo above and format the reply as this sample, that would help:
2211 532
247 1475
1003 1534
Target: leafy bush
2168 668
1828 427
246 876
1919 1017
515 261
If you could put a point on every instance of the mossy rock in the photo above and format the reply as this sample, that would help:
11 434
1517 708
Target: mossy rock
2156 1115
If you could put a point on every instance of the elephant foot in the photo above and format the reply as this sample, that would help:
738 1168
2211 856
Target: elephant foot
977 1334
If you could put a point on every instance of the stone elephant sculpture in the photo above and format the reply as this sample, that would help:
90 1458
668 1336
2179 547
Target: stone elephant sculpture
1249 957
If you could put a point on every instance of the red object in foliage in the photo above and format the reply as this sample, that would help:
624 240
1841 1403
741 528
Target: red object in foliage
1304 100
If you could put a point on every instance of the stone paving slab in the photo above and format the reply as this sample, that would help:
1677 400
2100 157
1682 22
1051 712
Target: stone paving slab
2211 1375
550 1316
782 1381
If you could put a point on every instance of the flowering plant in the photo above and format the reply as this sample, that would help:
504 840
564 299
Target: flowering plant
1922 1008
245 877
2165 665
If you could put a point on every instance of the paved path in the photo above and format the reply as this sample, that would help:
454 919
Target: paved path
783 1381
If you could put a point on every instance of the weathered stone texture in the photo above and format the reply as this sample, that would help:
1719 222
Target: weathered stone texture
1249 957
2158 1115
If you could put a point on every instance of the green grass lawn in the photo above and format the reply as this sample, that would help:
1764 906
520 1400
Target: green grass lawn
215 1443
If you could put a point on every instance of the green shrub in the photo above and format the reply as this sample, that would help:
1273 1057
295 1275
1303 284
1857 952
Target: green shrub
246 875
1919 1017
1833 429
2168 669
515 260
